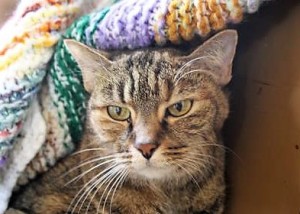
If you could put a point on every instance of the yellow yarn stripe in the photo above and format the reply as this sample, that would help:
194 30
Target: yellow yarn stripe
186 17
37 27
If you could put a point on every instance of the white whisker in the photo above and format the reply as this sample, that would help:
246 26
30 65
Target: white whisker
87 150
194 164
112 186
99 183
189 72
94 178
223 147
181 69
87 171
189 173
203 162
120 183
90 160
205 156
107 186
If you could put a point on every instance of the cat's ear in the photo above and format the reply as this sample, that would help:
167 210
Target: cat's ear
216 55
90 62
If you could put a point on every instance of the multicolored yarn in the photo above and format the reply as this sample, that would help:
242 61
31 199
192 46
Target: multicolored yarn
27 44
25 52
26 47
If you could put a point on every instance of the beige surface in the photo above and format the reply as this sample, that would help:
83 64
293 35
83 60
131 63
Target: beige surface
6 9
264 129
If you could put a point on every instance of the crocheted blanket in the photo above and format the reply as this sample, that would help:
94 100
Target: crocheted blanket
42 102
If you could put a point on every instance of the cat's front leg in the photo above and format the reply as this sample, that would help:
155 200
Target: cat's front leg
140 201
52 203
216 208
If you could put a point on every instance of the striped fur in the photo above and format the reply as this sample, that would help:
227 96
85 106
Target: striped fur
108 174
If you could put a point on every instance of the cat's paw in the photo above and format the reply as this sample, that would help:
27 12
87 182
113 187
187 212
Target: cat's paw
13 211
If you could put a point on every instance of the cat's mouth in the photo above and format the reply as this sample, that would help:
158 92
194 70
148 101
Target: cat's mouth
149 164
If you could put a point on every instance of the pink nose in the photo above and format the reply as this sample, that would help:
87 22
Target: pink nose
146 149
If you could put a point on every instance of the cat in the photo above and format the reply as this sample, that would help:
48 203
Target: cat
152 139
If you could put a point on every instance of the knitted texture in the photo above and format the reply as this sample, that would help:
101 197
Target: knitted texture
27 45
37 24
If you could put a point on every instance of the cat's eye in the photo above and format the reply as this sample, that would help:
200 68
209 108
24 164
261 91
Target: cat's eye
118 113
181 108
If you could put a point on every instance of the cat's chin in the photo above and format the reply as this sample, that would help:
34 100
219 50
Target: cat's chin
151 172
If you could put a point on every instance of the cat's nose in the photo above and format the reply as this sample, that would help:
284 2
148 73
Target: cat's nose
146 149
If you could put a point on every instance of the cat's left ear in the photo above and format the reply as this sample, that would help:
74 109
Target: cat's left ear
90 61
215 55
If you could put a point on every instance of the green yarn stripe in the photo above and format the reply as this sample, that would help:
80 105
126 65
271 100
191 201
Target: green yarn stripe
66 75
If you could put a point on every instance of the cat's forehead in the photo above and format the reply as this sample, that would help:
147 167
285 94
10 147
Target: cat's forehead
145 61
141 78
144 79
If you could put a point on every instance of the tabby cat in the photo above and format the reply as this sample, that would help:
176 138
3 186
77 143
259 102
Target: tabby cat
152 137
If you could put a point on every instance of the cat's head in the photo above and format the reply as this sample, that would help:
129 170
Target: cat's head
157 113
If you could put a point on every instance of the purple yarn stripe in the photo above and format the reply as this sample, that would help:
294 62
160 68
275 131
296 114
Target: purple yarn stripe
102 39
3 160
127 25
147 32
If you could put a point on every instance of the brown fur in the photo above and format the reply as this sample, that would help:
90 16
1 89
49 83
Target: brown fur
184 174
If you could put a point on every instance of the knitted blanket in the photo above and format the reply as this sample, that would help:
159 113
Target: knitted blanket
41 118
27 44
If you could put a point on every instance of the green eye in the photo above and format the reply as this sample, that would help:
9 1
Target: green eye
118 113
181 108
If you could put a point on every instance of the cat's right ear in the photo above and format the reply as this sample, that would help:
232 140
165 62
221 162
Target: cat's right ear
90 62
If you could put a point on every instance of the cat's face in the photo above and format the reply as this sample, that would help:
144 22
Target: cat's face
156 113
